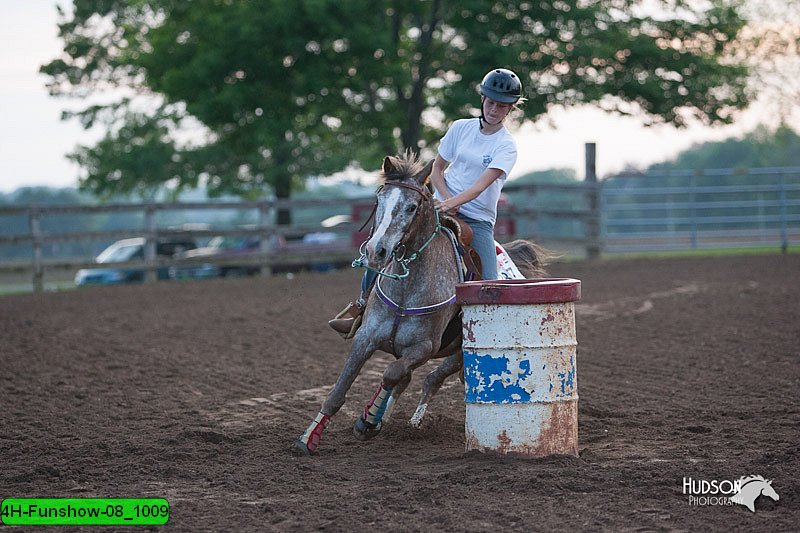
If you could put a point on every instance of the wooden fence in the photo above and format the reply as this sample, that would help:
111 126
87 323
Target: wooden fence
646 212
585 209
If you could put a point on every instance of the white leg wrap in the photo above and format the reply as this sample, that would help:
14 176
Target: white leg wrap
416 420
389 406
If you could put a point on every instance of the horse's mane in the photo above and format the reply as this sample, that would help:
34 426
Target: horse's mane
745 480
404 166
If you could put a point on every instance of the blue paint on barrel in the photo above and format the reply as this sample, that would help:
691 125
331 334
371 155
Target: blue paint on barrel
494 380
568 378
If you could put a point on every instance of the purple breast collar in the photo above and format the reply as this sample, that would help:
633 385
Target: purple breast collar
400 311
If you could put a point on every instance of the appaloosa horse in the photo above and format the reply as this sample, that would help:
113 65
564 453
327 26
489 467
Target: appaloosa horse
412 303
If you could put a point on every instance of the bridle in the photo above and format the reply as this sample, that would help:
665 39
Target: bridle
400 257
399 310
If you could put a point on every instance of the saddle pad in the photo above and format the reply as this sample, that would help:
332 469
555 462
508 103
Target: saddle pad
506 269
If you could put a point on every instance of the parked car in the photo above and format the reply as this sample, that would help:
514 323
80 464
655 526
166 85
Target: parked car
219 248
321 240
129 250
243 247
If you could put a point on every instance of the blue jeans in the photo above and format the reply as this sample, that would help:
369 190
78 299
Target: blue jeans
366 283
483 242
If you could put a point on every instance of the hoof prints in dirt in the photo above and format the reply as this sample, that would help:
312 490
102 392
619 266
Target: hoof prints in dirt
631 306
688 368
275 409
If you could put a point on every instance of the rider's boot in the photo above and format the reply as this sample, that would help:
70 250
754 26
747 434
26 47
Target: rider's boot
347 322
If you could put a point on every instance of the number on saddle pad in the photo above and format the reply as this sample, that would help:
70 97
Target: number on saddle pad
506 269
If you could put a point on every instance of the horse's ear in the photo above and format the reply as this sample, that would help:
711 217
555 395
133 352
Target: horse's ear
423 175
388 166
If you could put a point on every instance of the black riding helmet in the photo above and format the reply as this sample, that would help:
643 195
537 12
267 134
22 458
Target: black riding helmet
502 85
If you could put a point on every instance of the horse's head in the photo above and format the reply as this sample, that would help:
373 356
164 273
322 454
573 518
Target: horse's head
767 490
751 487
404 208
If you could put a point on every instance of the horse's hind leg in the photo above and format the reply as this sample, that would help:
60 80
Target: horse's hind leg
396 392
433 382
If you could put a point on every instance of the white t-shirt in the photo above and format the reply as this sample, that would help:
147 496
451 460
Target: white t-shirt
470 153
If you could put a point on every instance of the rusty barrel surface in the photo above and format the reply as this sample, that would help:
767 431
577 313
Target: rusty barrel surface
520 365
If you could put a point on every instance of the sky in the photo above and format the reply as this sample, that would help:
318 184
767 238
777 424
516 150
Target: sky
34 141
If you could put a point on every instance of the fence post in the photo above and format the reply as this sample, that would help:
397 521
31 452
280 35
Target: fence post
150 274
34 223
693 210
264 237
593 221
782 207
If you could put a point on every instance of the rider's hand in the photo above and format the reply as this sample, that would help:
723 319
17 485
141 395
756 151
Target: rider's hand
446 206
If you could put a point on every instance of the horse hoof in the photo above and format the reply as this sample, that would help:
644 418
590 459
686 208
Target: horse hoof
363 430
300 449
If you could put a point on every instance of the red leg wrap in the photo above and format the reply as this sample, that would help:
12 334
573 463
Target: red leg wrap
373 412
314 431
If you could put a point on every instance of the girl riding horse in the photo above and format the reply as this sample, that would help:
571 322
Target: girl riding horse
474 160
412 306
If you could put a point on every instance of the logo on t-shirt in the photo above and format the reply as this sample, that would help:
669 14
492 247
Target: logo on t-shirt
486 160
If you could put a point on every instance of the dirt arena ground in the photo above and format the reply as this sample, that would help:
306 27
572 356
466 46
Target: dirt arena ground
195 391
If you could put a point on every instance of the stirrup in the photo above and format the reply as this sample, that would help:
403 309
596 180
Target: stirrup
347 322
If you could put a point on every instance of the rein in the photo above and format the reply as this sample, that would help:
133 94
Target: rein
403 261
401 311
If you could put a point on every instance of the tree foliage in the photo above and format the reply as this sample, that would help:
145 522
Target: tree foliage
761 148
290 89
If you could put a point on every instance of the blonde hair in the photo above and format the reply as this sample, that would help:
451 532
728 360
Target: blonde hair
517 112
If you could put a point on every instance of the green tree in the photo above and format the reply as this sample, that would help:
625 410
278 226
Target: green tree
770 46
290 89
760 148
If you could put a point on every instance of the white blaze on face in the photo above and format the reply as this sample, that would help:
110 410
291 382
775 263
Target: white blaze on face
388 206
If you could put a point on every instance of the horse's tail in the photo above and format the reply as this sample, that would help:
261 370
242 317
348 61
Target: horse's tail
529 257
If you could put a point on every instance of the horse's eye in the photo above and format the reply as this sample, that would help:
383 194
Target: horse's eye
411 208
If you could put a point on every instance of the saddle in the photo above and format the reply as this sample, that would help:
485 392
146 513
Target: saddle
470 258
349 320
471 264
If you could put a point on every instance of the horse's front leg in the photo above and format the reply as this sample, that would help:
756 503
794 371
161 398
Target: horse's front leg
364 430
361 351
395 378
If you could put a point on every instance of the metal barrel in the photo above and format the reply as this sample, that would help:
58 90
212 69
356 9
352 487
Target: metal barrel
519 365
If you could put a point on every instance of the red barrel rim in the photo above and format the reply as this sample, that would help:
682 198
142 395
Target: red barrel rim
519 291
